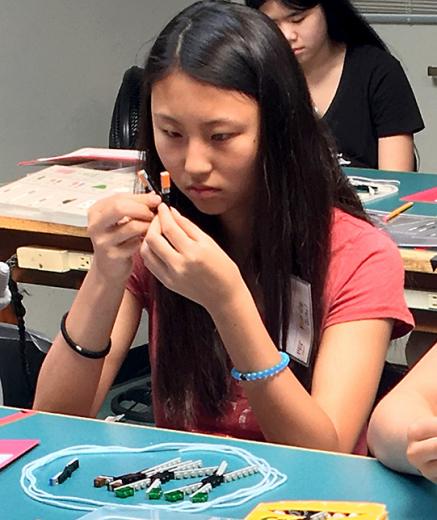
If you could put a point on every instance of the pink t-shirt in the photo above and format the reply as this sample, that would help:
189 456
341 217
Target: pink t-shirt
365 281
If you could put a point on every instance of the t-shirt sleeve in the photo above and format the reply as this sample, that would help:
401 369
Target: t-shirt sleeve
366 281
139 282
394 109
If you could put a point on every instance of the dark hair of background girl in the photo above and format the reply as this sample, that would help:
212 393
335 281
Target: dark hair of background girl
298 182
345 23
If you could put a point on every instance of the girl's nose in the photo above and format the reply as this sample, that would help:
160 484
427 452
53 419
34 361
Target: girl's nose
197 162
289 32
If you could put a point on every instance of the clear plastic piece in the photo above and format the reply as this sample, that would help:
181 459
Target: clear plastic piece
122 513
408 230
371 190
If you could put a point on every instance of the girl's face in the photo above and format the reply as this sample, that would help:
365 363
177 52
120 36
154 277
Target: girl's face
306 31
207 138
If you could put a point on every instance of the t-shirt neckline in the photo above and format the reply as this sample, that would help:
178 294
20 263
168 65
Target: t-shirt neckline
340 86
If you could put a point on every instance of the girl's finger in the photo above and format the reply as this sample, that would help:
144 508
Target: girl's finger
127 231
423 429
123 220
429 470
112 210
193 231
131 246
154 264
107 240
172 230
423 452
150 199
159 244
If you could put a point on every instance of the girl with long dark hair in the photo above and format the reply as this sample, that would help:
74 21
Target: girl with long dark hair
271 298
357 87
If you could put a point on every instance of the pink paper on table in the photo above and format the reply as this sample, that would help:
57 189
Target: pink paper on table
429 195
22 414
88 154
12 449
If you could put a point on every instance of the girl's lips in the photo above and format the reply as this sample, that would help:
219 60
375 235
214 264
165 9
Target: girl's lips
202 192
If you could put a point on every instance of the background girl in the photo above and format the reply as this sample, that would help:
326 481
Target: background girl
357 87
273 253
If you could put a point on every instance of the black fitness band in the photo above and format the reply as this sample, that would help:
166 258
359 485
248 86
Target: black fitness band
82 350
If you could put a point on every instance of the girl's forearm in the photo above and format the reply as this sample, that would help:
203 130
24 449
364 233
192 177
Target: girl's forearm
67 382
285 411
388 427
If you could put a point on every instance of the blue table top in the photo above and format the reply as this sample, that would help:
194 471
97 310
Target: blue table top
311 474
409 183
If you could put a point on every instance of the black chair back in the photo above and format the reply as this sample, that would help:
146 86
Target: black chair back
126 113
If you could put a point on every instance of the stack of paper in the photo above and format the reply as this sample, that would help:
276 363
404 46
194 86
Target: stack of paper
62 194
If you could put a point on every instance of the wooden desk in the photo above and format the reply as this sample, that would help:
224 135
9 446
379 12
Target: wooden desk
420 266
19 232
14 233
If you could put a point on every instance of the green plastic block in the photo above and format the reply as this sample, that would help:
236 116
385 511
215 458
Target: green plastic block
200 497
125 492
174 496
155 494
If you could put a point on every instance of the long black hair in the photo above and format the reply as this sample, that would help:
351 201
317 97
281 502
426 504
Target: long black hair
345 23
298 184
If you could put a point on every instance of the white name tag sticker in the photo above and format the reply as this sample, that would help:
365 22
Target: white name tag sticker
300 329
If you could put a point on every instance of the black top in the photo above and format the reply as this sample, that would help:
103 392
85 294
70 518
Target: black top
374 99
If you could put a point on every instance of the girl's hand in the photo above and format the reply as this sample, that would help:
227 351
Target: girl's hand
188 261
117 226
422 447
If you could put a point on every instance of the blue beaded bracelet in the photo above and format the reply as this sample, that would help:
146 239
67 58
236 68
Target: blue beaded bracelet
262 374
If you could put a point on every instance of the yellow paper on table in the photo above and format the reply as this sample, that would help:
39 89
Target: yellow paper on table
319 510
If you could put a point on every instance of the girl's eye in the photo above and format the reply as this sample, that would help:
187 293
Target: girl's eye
221 137
171 134
296 18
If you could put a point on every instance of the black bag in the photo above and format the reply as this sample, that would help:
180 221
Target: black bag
19 365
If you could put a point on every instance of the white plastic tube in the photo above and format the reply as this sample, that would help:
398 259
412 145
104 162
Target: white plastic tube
5 293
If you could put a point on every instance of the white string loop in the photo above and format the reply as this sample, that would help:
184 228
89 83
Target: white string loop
271 478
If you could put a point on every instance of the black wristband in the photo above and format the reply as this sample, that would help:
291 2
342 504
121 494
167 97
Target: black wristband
82 350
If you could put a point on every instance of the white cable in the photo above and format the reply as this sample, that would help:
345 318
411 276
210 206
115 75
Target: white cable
271 478
5 293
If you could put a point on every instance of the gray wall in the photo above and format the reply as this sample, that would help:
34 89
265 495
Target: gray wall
415 47
62 62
